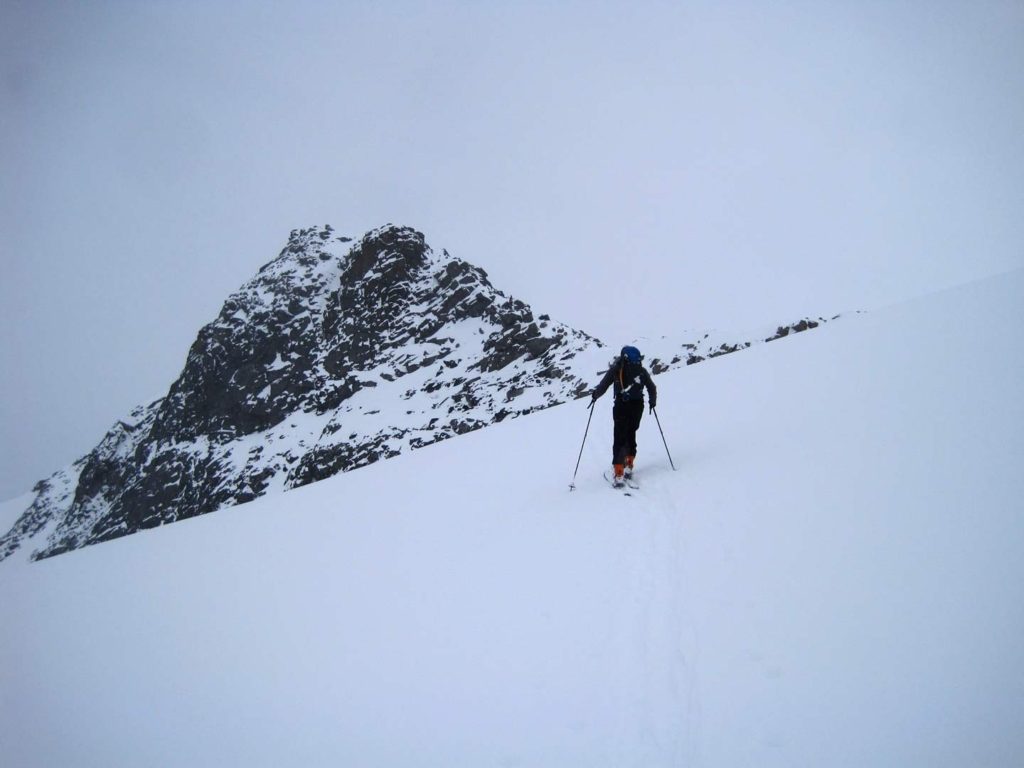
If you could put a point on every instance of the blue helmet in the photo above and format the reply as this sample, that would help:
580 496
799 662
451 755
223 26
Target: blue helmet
632 354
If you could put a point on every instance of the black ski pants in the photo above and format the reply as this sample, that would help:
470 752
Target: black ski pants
626 415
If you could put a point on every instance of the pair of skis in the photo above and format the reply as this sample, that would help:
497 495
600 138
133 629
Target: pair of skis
628 484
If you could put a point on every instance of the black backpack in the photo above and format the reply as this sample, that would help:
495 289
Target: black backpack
631 380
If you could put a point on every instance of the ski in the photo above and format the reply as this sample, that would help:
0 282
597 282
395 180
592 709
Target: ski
627 485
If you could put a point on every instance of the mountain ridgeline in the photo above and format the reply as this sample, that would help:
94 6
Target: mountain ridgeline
338 353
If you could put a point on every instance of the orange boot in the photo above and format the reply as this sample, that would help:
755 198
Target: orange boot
628 471
617 479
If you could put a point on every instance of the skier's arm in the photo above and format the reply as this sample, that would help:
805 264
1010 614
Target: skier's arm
606 382
652 390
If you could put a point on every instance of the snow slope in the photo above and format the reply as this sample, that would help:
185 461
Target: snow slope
833 577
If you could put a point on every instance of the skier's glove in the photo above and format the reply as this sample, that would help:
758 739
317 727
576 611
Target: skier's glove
652 408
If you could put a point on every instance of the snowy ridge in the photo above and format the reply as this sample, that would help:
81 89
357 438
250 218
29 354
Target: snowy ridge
335 355
666 354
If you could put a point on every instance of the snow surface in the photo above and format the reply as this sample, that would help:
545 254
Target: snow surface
833 577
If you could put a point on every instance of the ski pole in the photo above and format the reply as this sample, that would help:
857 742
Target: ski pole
655 412
572 485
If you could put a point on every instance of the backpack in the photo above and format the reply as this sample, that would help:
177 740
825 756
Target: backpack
631 374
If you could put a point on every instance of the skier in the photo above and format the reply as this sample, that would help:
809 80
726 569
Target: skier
630 378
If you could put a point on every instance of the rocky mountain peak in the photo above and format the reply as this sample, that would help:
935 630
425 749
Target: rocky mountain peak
391 253
337 353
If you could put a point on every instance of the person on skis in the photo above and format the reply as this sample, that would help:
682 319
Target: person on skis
629 378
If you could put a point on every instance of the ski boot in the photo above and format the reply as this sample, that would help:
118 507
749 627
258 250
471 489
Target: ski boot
627 470
618 477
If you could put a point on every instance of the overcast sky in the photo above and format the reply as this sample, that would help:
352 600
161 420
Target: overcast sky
629 168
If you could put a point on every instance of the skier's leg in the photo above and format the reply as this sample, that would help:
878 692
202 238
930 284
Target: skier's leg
636 413
620 440
632 416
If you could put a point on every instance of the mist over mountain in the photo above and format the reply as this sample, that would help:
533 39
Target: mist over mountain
337 354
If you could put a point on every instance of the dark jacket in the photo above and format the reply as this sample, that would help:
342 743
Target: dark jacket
630 380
